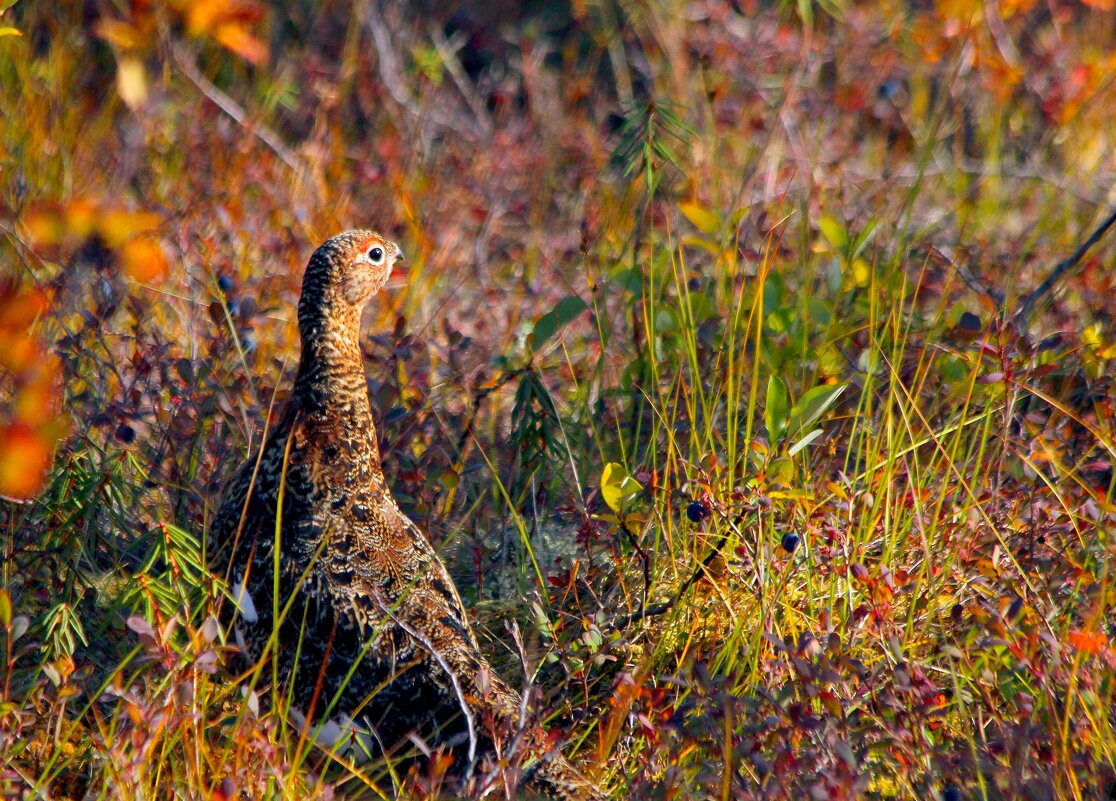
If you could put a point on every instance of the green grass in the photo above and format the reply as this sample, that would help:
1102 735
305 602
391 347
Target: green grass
781 287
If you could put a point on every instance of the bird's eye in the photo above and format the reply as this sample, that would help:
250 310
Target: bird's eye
376 256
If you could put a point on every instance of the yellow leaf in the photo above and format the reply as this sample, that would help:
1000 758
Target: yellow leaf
834 232
861 272
119 33
117 226
704 244
959 10
702 219
131 82
143 260
10 32
617 487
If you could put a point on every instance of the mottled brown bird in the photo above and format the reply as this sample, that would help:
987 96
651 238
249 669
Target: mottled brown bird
372 642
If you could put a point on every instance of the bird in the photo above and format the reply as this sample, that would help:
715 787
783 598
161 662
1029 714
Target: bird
325 575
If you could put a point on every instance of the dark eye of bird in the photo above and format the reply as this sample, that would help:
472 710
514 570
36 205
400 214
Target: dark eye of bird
376 255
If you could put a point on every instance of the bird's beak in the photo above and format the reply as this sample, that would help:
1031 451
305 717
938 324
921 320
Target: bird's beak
398 268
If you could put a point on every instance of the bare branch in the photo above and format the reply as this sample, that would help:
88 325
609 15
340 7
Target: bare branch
1060 269
185 62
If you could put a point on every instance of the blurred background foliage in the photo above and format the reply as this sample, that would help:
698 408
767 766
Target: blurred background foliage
709 313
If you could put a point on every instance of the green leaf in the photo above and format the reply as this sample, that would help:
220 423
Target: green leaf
775 412
664 321
781 472
5 609
863 239
834 231
630 279
547 326
617 487
701 307
812 405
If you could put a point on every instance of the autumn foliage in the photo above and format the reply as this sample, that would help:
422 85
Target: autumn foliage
731 374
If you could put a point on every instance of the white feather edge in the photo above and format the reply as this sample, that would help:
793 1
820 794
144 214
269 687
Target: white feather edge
341 734
244 602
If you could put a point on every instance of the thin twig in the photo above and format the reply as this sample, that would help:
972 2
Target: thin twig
1060 269
661 609
643 557
392 73
186 63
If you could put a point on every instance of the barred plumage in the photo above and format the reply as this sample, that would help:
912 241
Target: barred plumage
379 630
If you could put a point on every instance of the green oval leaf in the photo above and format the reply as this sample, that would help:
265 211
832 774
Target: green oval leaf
775 411
564 312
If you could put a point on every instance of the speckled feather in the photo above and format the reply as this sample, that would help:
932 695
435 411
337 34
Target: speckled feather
379 630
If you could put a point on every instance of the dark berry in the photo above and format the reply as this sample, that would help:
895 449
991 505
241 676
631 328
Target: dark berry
125 433
951 794
224 283
697 511
790 541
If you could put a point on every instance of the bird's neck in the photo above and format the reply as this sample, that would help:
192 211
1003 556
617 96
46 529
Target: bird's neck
331 385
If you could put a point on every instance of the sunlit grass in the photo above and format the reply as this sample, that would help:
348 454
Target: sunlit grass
783 296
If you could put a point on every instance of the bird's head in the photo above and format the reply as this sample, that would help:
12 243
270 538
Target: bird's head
344 274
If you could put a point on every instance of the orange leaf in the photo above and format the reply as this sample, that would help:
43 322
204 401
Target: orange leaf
18 351
143 260
1089 642
238 39
36 402
81 217
19 308
202 15
24 459
42 225
1100 5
